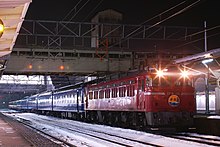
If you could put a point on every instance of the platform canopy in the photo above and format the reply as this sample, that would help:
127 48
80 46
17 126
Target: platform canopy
204 63
12 13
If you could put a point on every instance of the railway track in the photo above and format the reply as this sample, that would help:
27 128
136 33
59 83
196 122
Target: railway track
51 137
192 137
109 137
112 139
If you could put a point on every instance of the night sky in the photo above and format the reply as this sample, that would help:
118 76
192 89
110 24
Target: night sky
134 12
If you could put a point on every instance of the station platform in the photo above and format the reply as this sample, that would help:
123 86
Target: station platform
10 137
15 134
207 124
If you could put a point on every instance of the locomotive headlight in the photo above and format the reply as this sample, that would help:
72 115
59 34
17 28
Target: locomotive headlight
184 74
160 73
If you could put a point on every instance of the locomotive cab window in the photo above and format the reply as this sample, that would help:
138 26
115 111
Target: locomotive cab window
183 82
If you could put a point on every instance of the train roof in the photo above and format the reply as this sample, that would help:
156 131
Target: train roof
109 79
78 85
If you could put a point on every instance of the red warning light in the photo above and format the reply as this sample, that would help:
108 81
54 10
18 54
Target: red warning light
61 67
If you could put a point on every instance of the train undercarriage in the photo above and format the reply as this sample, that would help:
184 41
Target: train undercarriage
125 119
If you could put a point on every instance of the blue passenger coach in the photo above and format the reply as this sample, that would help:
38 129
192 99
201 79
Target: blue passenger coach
69 99
32 102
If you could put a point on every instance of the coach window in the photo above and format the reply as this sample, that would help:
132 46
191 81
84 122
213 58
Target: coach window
120 91
75 98
124 90
116 92
80 99
96 95
132 90
101 94
67 100
90 95
54 100
128 90
71 98
107 93
113 92
57 99
61 99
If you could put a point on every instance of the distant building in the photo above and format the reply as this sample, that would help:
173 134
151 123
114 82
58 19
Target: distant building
107 31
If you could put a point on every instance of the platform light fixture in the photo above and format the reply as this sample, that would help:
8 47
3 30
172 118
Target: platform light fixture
2 27
207 60
61 67
30 66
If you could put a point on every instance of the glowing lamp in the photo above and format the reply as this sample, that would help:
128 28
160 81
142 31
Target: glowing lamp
1 28
30 66
207 61
61 67
160 73
207 56
184 74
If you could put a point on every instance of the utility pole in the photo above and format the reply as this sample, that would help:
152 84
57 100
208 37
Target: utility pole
207 75
205 36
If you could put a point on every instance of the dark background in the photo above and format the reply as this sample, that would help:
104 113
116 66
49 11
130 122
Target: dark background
134 12
138 12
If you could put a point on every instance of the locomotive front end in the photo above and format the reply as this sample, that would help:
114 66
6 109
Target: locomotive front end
170 98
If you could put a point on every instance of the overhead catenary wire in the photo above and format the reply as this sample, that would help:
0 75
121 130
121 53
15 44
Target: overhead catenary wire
64 25
74 8
74 14
161 21
194 41
88 15
158 15
93 10
197 33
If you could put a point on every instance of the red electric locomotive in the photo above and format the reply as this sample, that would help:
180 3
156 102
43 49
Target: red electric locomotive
156 98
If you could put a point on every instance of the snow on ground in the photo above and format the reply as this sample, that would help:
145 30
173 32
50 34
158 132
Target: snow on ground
81 140
214 117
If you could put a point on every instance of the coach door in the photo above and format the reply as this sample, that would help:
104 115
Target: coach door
140 93
77 100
